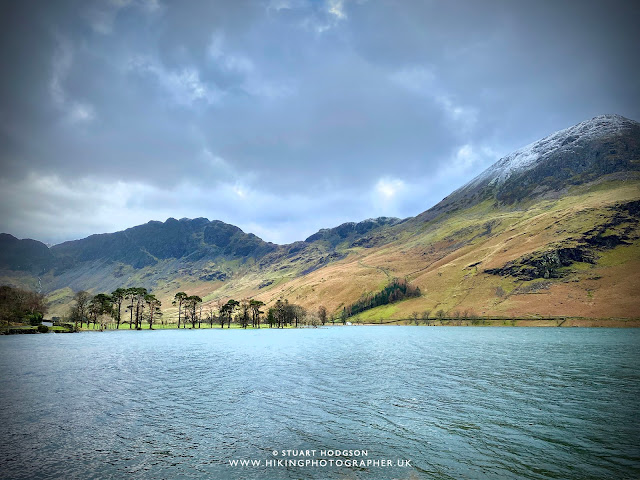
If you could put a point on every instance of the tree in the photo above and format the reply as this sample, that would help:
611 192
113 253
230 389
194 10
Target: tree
191 306
299 314
414 316
117 297
280 312
79 312
255 305
100 305
425 316
228 309
220 305
179 300
138 294
395 291
245 307
130 294
313 319
210 315
322 314
271 317
17 305
154 308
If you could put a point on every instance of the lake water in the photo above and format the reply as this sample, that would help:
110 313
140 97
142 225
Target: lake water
455 402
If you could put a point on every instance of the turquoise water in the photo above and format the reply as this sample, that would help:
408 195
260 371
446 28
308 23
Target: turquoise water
494 403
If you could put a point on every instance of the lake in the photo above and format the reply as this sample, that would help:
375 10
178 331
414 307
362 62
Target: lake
362 402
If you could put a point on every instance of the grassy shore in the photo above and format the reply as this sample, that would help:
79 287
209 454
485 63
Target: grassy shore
173 326
444 322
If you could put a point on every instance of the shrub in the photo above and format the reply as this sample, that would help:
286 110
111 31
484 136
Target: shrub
43 328
34 319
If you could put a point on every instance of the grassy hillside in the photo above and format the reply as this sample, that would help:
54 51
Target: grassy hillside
450 258
578 255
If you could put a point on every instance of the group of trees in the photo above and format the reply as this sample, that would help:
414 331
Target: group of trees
142 306
395 291
188 304
284 314
136 305
246 312
21 306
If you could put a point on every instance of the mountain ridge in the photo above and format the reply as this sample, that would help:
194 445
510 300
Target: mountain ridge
517 162
516 175
578 186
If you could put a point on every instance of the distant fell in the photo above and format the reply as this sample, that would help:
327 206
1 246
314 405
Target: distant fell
601 147
550 229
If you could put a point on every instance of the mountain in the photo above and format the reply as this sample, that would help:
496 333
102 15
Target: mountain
146 245
24 255
604 145
550 229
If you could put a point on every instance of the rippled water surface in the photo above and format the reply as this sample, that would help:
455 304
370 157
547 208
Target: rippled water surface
456 402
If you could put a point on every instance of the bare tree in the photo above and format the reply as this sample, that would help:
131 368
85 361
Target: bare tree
79 312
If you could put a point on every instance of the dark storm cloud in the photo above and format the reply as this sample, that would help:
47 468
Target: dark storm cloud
285 116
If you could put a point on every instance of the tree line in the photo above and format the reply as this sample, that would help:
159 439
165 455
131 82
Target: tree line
135 306
244 313
21 306
96 309
395 291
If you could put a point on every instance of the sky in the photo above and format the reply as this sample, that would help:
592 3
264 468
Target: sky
286 116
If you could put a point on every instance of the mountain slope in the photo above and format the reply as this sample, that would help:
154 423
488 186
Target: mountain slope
551 229
591 150
24 255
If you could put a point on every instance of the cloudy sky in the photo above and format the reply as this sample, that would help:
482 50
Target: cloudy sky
286 116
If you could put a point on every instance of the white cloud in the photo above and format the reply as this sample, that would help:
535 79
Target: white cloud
336 8
416 79
465 157
389 187
423 82
253 82
465 116
184 86
56 209
316 17
61 63
228 62
81 113
73 111
466 161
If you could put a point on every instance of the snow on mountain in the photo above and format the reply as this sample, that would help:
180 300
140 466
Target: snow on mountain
526 158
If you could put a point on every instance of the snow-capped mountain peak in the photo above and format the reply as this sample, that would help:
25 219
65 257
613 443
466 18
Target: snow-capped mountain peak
527 157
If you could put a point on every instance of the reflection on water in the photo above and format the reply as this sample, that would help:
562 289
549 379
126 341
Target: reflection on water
457 402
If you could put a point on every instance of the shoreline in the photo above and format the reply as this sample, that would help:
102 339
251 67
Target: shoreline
519 322
563 322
